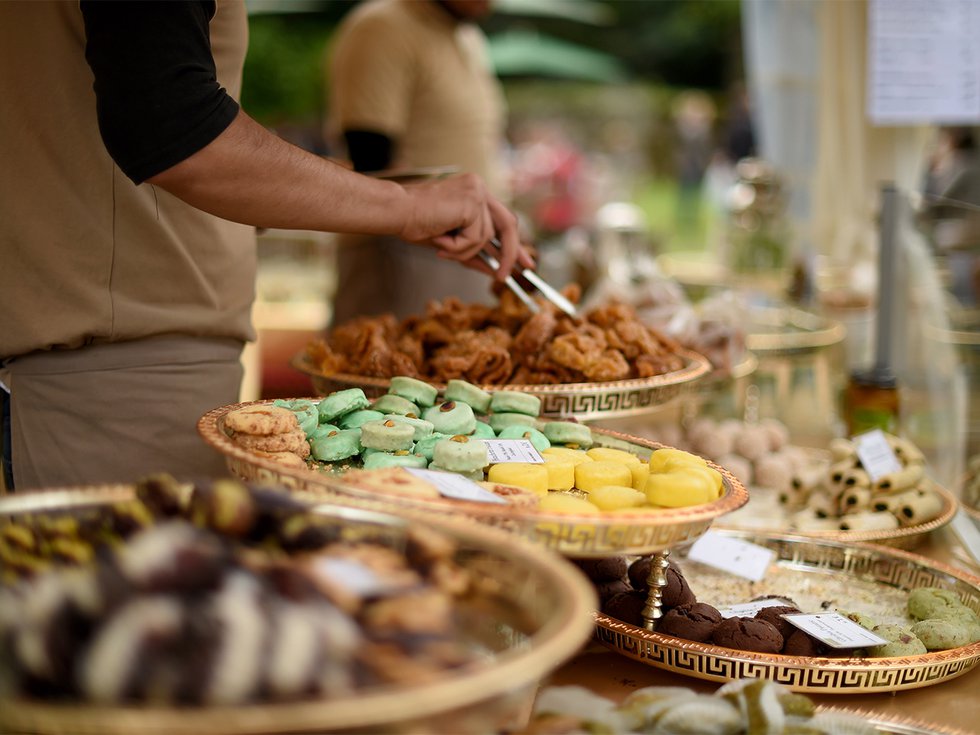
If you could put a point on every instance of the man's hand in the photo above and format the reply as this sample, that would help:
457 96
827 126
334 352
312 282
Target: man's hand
458 216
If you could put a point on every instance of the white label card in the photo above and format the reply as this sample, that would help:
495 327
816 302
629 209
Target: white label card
501 451
732 555
451 485
749 609
876 454
353 576
835 630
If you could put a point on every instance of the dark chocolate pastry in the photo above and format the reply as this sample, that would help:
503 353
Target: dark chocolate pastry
799 643
608 590
603 570
677 592
626 606
772 615
695 621
748 634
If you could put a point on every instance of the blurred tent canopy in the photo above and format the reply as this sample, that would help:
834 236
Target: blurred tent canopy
583 11
528 53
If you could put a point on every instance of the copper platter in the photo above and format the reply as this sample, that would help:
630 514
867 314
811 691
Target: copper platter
583 401
531 612
582 536
769 519
863 577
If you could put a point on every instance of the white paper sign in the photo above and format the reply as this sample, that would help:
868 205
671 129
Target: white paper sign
749 609
965 529
451 485
835 630
732 555
876 454
501 451
923 61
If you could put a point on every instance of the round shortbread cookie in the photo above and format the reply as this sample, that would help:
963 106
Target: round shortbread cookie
284 458
290 441
261 420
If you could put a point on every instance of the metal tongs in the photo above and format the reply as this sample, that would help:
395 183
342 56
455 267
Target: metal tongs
535 280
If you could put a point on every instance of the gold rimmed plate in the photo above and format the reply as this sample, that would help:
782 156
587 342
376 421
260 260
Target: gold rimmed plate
764 514
582 401
529 611
817 575
639 532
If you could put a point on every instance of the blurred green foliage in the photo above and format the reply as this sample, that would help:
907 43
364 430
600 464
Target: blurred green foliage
677 43
283 78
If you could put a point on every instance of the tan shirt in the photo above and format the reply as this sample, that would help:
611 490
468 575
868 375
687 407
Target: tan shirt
86 256
407 69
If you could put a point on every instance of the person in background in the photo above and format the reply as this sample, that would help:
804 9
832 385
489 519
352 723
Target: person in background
949 212
694 117
129 189
411 87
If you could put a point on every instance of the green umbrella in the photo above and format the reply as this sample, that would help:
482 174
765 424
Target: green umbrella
527 53
583 11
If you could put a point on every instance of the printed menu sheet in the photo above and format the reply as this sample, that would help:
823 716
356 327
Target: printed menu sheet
923 62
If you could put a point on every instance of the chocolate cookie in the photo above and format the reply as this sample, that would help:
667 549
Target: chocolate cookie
695 621
748 634
772 615
602 570
626 606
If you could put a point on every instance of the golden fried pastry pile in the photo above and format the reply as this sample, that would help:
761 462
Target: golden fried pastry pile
506 344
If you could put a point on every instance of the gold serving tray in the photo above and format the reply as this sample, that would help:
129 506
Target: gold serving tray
786 330
865 578
582 401
892 725
531 612
768 517
572 535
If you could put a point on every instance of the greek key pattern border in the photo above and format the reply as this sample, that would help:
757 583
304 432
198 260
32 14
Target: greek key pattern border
684 659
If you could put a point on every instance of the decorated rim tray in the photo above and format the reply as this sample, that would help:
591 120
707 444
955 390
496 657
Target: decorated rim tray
573 535
866 578
582 401
764 514
893 725
775 331
529 612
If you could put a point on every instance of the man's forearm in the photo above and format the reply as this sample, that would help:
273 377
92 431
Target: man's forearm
250 175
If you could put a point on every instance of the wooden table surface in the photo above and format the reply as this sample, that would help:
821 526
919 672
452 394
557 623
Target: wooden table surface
954 705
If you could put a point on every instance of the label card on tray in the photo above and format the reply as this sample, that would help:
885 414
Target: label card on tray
501 451
732 555
451 485
352 576
876 454
835 630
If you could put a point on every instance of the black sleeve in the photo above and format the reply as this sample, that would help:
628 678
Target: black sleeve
368 151
157 94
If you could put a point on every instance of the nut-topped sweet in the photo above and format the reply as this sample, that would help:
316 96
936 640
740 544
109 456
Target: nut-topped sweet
577 476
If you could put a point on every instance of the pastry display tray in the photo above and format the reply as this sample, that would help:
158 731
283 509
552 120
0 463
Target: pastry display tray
764 514
640 532
867 578
583 401
529 611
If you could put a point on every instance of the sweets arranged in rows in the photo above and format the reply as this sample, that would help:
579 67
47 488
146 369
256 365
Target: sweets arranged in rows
220 593
808 491
504 344
413 427
936 618
745 706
